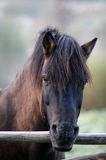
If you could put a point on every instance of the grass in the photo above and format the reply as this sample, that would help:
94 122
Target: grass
90 122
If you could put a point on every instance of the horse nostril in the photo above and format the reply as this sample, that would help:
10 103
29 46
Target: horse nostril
54 127
76 130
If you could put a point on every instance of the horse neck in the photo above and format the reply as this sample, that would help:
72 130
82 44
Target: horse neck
26 99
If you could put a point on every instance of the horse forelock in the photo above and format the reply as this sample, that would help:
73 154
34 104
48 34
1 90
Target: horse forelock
65 63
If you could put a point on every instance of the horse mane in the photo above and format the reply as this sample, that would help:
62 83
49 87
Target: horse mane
65 63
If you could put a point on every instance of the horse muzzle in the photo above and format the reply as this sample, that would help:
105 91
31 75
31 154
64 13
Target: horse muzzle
63 136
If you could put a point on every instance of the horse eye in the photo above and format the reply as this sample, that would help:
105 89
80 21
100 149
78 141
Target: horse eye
45 78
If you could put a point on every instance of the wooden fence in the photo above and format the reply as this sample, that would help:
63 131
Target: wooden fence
44 137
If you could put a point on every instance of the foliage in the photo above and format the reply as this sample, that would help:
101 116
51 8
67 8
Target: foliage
12 49
95 92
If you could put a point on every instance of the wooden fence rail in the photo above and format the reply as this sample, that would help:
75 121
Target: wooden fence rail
44 137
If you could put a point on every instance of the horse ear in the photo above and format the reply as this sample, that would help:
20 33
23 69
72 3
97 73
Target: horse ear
48 43
88 47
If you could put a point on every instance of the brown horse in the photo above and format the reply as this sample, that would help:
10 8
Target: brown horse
46 95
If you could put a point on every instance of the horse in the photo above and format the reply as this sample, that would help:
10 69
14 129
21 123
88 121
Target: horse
46 95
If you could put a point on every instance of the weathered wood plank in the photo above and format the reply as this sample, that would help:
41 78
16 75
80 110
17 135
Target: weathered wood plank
44 137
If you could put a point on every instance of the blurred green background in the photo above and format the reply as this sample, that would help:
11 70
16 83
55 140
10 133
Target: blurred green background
20 24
